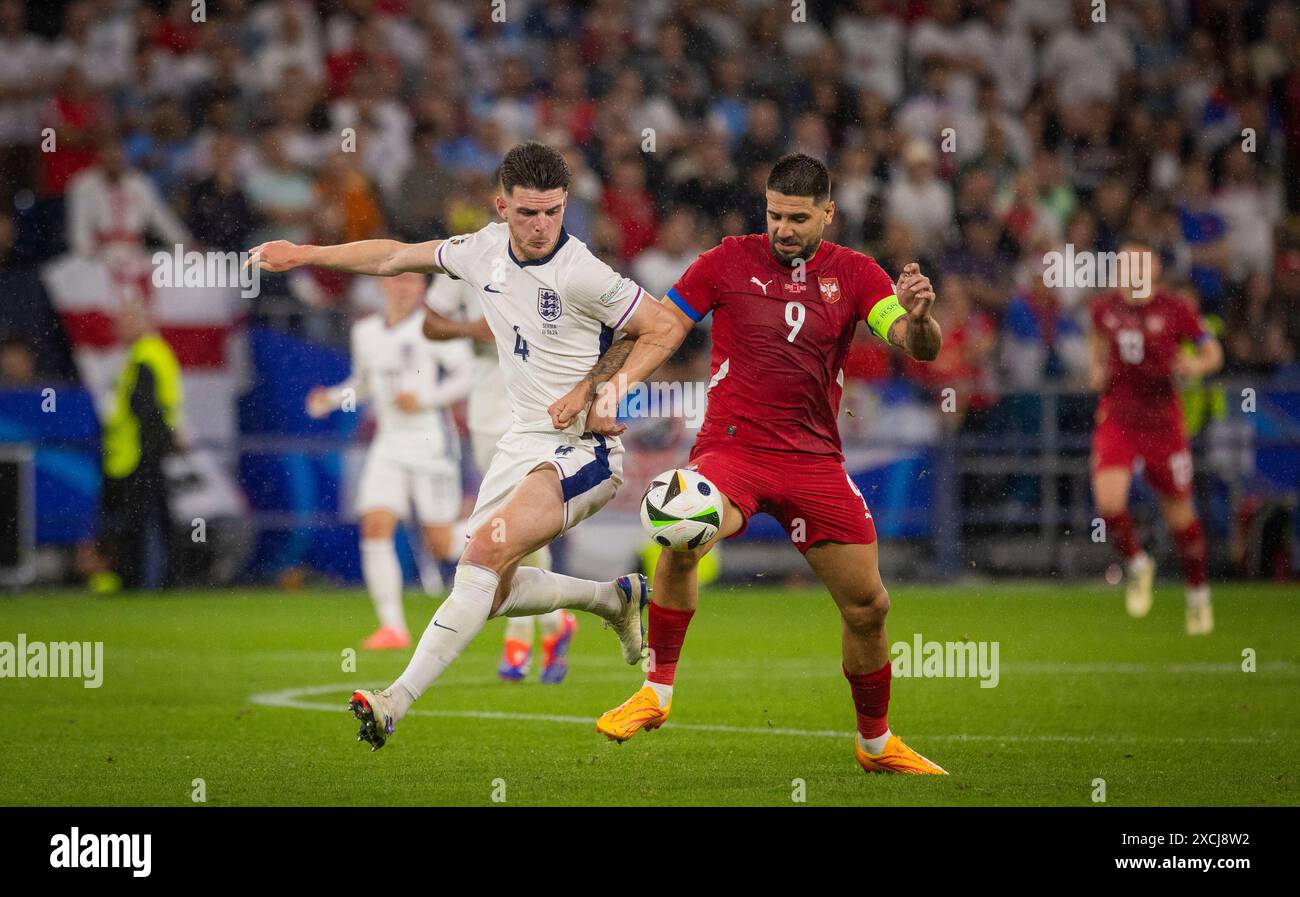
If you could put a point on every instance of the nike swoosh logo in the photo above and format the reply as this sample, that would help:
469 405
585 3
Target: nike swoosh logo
440 626
488 289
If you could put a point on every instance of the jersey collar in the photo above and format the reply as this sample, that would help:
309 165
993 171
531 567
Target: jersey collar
559 244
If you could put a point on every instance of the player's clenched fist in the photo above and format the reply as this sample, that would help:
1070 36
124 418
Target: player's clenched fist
318 403
915 292
275 256
601 418
568 406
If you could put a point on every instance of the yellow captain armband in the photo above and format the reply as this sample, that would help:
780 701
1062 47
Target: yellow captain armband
883 315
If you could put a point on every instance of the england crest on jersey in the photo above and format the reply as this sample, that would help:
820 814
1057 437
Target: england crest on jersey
548 304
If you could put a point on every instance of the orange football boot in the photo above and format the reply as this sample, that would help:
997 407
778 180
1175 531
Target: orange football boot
387 638
897 757
641 711
515 660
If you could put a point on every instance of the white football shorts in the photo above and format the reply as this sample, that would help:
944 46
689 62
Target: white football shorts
390 485
590 469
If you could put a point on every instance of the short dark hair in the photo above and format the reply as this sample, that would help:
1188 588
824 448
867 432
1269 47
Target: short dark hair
534 165
797 174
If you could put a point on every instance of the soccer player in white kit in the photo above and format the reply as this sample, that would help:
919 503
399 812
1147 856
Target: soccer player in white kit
488 418
414 458
554 309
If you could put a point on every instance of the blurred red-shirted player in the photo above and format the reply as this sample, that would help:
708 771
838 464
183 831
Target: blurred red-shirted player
1139 348
785 307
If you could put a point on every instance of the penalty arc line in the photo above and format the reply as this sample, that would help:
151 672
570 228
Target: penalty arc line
293 699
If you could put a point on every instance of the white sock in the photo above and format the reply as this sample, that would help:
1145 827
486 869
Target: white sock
551 623
452 628
874 745
1198 596
1138 563
383 575
663 692
520 629
431 574
535 591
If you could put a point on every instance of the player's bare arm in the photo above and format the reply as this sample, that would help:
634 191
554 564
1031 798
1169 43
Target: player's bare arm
380 258
1096 362
575 400
1205 359
607 365
441 327
656 330
917 333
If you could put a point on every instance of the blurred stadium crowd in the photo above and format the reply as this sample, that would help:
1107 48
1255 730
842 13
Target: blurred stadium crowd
1176 122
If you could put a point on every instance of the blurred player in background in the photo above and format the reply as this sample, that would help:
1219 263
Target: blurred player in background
414 459
553 309
488 418
786 305
1143 340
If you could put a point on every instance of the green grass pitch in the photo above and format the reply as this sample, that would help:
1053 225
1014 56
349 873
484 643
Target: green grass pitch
246 691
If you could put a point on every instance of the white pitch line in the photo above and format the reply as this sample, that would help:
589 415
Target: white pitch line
1271 666
292 698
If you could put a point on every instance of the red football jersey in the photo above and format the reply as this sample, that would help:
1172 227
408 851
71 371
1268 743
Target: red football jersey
779 343
1142 340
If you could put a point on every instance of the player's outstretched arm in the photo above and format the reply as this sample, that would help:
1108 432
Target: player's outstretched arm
382 258
440 327
1206 359
917 333
1096 362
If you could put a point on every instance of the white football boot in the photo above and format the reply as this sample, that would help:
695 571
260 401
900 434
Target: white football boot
629 623
375 710
1138 595
1200 615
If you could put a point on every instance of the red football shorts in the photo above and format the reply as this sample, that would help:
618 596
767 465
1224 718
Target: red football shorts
1163 450
811 495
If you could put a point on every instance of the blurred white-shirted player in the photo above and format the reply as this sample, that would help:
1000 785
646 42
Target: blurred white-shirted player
553 309
488 418
414 459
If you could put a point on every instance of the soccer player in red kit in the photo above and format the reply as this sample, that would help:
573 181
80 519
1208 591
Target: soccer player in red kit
1139 343
786 305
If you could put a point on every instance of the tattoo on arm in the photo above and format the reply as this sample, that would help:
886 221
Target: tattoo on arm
898 333
921 340
609 363
924 339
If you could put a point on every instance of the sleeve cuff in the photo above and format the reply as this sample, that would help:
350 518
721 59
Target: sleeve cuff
684 305
442 264
630 308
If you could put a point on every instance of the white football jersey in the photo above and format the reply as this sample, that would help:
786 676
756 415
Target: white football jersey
387 361
552 317
489 404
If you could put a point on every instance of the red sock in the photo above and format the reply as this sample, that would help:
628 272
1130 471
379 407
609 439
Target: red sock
871 698
1119 530
666 632
1191 551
